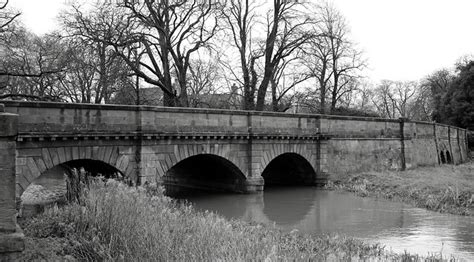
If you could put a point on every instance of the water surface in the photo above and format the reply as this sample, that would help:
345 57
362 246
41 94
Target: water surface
396 225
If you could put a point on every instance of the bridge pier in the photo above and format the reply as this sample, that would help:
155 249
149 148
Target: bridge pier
11 236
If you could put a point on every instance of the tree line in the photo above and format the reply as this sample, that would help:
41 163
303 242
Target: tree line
275 55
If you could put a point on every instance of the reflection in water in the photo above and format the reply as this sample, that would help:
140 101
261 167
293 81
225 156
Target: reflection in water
397 226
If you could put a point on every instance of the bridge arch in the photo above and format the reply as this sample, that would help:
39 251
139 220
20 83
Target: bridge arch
288 157
205 172
31 167
289 169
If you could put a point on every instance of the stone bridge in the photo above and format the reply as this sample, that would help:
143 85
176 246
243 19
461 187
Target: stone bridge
227 150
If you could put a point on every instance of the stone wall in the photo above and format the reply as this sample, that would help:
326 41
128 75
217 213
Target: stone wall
152 139
11 238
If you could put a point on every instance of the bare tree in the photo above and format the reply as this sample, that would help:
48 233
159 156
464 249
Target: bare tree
283 82
7 18
16 59
333 59
395 99
94 72
240 16
285 30
32 66
169 32
203 76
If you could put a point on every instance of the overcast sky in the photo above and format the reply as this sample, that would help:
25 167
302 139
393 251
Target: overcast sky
402 39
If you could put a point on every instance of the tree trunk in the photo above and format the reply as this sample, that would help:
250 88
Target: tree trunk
322 93
183 96
169 100
274 96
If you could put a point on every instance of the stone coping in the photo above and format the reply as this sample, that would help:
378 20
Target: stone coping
11 103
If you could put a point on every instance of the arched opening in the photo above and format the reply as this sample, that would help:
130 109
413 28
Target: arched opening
442 158
449 160
50 187
204 172
289 169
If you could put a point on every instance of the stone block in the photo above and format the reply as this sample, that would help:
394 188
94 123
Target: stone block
40 164
47 158
11 244
95 152
107 154
68 153
8 125
82 153
54 156
114 156
61 154
33 168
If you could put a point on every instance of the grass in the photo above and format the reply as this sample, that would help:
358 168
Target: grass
446 188
120 223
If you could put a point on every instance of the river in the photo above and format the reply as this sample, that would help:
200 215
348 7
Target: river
398 226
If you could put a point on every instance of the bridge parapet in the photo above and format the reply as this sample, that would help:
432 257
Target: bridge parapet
82 120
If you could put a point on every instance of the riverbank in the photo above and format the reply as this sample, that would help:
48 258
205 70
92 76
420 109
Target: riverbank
117 222
446 188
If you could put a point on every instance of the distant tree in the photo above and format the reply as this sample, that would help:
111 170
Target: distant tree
32 66
285 29
458 101
94 73
435 86
7 19
394 99
204 75
95 70
286 77
28 64
332 59
422 105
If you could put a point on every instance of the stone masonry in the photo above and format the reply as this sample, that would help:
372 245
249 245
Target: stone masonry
147 143
11 237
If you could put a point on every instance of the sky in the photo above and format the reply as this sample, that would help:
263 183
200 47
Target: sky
401 39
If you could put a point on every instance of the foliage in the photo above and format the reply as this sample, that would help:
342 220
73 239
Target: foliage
455 106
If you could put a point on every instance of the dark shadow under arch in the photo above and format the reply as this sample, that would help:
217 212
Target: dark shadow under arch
204 172
449 160
289 169
442 158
